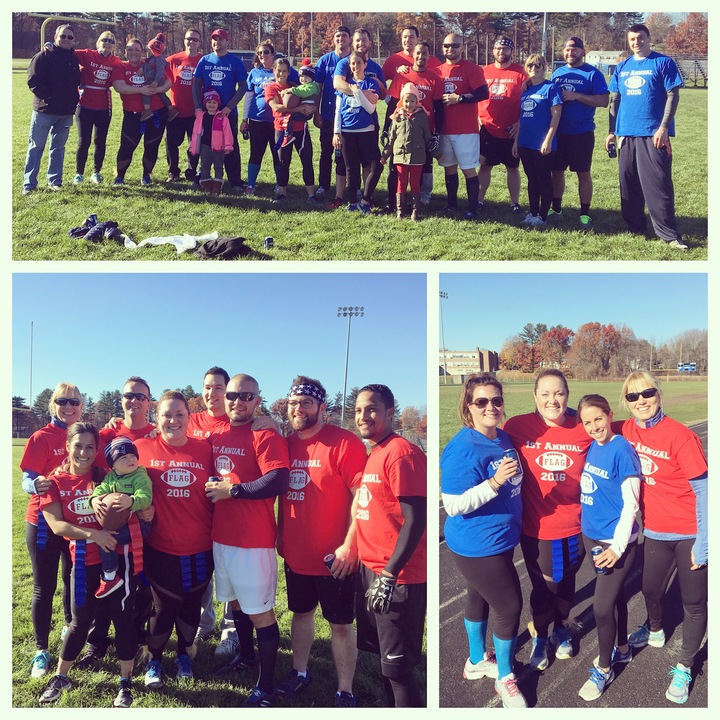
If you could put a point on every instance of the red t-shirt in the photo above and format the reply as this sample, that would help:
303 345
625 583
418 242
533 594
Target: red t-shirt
395 468
461 77
552 459
108 434
204 425
272 92
391 65
242 455
183 512
670 455
179 70
96 70
133 103
502 108
430 86
45 450
315 511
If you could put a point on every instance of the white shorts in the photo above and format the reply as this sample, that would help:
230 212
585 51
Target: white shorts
462 150
248 575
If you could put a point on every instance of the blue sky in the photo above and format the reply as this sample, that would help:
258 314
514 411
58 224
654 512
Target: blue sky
95 330
483 310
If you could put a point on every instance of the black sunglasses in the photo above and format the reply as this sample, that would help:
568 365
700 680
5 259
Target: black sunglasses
107 40
67 37
243 396
481 403
534 65
67 401
455 46
634 397
135 396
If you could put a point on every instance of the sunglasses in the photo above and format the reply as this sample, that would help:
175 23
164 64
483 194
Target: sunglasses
67 37
243 396
454 46
67 401
304 404
481 403
534 65
634 397
135 396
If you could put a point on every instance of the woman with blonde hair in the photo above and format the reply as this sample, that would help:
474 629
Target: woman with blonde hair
45 451
674 507
94 110
481 481
535 142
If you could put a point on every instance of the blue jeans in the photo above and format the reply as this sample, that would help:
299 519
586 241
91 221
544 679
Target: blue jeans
42 125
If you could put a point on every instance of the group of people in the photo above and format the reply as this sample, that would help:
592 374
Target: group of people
563 484
193 497
469 118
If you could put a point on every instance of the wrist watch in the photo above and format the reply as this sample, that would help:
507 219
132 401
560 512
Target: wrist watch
235 491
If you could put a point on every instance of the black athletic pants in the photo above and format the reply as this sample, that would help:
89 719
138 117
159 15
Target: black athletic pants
176 132
130 138
86 121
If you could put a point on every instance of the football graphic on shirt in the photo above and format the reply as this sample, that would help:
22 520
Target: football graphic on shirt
111 518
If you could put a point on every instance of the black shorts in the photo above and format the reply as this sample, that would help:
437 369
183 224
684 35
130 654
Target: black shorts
496 151
177 574
574 151
397 636
336 597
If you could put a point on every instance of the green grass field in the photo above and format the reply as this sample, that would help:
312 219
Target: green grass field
42 219
687 402
98 688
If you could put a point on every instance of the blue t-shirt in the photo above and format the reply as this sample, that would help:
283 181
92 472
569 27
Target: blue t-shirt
606 468
469 459
643 85
353 116
535 114
324 72
586 79
258 79
223 74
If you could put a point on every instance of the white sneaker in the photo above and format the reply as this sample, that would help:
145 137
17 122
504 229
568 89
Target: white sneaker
529 219
597 682
487 667
228 645
509 692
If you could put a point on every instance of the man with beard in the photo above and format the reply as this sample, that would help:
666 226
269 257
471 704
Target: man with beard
316 536
583 89
430 87
253 467
500 120
465 87
390 509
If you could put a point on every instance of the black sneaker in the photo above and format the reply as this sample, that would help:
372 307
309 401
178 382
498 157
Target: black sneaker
54 689
238 664
295 684
124 697
89 659
345 700
449 210
258 698
515 209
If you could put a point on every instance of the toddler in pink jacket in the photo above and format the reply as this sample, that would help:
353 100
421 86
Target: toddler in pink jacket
211 139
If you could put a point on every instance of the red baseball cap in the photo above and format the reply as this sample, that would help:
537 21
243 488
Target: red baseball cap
220 33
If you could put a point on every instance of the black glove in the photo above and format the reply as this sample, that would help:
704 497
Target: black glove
384 138
379 594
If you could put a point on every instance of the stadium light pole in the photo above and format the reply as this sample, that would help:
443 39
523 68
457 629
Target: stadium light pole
443 296
349 313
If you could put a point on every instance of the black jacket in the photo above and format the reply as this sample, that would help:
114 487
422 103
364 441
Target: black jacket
53 77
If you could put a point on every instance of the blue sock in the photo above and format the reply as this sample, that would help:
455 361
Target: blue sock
253 172
476 632
504 652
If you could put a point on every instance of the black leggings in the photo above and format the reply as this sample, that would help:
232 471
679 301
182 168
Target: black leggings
118 606
130 139
538 168
87 120
45 571
361 149
660 559
609 601
552 566
327 152
178 585
304 148
262 136
492 583
175 134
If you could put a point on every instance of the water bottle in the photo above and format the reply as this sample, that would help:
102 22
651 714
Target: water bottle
612 150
